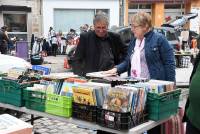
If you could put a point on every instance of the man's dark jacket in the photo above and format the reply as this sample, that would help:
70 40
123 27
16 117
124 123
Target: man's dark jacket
87 55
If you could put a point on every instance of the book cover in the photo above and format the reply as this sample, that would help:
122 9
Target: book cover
117 99
98 92
83 95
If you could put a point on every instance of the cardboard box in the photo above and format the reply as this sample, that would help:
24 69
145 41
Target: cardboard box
12 125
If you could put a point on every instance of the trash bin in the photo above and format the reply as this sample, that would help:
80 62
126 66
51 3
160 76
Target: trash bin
22 49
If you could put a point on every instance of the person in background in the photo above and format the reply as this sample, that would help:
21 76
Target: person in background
91 28
98 50
149 55
63 44
51 33
3 40
45 47
54 46
192 108
12 44
85 28
32 41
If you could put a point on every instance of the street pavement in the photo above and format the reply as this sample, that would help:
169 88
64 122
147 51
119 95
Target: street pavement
50 126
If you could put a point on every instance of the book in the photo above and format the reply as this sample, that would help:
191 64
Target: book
66 89
117 99
15 73
84 95
98 92
99 74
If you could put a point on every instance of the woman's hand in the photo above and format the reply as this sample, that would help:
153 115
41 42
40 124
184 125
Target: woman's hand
111 72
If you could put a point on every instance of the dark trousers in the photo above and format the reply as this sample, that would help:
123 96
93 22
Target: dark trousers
54 49
3 49
191 129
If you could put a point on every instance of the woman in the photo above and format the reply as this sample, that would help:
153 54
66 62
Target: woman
149 54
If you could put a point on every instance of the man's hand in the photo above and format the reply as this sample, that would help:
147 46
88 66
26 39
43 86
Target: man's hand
111 71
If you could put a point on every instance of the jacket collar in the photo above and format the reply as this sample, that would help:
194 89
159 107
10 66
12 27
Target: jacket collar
149 34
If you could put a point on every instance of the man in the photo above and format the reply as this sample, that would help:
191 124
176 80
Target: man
3 40
98 50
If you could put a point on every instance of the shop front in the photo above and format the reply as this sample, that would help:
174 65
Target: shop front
161 10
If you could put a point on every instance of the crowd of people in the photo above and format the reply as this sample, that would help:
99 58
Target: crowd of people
57 43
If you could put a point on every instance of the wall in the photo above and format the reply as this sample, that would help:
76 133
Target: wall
195 3
49 5
33 18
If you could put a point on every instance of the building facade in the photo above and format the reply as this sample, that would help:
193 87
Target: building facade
63 15
161 10
23 17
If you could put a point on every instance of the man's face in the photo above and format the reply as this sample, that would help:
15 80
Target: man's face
100 29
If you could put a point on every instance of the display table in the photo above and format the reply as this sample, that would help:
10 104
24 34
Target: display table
136 130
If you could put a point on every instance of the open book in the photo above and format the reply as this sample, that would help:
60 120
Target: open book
99 74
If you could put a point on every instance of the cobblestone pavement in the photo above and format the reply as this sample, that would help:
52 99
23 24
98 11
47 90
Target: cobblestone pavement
50 126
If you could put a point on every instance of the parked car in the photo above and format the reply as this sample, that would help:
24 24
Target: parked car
171 35
125 33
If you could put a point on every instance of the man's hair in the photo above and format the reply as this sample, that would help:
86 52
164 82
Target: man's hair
99 17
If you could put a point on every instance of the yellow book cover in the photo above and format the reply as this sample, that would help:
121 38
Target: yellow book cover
84 95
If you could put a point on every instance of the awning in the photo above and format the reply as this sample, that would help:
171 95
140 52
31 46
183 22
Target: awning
154 1
14 8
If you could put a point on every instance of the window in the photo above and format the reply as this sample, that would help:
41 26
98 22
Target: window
103 10
17 25
15 22
174 6
144 6
74 18
133 6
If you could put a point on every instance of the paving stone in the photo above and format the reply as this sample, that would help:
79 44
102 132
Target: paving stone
63 127
42 130
53 130
45 133
61 123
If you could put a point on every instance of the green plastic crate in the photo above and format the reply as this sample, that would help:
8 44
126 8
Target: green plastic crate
59 105
34 100
11 92
161 106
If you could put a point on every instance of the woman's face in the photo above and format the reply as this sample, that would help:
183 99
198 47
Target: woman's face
138 30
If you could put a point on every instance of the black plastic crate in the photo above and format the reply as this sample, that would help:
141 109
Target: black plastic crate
84 112
119 121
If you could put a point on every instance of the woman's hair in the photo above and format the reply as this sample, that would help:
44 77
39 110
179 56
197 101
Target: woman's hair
99 17
142 19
